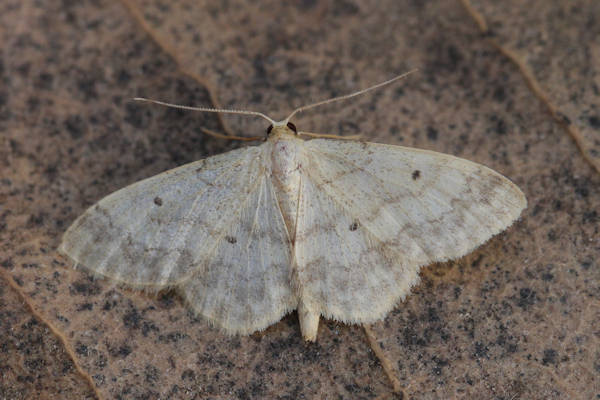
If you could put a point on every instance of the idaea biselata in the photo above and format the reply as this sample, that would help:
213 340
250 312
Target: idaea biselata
329 227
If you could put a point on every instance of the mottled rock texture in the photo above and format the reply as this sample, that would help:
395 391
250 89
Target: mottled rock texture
513 320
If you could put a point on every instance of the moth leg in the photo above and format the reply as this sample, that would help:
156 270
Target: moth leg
231 137
328 136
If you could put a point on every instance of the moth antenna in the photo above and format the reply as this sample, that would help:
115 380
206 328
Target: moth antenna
206 109
347 96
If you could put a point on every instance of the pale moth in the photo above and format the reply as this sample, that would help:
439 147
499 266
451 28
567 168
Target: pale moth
330 227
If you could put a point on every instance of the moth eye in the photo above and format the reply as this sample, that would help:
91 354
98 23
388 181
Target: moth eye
269 129
292 127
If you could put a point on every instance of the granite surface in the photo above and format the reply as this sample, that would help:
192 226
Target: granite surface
512 85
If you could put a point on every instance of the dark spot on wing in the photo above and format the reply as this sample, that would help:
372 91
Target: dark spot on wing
353 226
231 239
158 201
416 174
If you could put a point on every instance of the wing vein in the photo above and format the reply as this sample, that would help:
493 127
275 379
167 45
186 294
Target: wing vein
341 205
219 240
406 215
187 227
138 225
250 239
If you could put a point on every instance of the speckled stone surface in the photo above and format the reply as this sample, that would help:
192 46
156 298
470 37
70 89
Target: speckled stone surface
33 361
513 320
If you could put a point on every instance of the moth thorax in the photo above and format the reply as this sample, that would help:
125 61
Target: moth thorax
286 167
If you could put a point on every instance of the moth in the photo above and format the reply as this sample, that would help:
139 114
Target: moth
325 226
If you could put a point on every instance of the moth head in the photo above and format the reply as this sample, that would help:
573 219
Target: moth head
282 127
